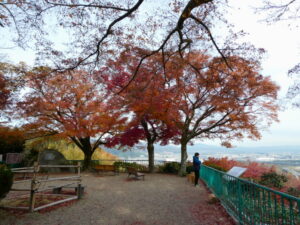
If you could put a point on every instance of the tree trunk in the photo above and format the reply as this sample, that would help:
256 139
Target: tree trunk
150 148
85 145
184 156
87 160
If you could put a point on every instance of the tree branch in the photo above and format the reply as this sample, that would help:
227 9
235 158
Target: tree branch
87 5
212 39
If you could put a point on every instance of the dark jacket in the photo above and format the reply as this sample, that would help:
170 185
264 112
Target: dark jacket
196 163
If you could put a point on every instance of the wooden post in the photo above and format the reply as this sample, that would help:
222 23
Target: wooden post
33 186
79 191
78 168
79 184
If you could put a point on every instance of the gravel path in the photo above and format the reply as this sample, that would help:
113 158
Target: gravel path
115 200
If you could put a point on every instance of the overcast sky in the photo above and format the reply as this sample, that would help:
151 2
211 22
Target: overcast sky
283 52
282 43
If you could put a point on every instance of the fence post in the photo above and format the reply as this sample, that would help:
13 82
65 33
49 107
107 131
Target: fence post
79 184
240 203
78 168
298 214
79 191
33 186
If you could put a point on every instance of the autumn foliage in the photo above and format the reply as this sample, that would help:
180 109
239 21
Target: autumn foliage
179 101
147 97
254 169
11 140
267 175
199 98
72 105
162 69
214 101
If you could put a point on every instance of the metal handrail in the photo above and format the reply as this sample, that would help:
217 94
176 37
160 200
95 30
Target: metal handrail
251 203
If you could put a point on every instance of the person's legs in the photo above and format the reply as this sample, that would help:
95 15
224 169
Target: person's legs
196 177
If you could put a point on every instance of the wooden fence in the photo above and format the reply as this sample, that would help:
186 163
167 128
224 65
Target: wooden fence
31 175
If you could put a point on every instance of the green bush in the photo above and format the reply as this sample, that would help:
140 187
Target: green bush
273 180
189 169
170 167
294 191
123 165
6 180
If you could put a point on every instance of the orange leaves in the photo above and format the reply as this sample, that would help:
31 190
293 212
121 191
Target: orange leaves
215 101
71 103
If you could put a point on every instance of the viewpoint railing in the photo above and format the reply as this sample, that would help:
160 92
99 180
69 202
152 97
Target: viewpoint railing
251 203
143 162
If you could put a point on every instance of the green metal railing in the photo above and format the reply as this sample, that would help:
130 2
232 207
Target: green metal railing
251 203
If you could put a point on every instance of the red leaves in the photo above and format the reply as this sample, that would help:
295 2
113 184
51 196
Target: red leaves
254 169
148 98
129 137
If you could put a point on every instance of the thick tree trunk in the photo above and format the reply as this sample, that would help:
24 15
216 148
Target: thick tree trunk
151 137
85 145
150 148
87 160
184 156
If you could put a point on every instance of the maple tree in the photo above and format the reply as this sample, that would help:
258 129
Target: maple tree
217 102
73 105
147 98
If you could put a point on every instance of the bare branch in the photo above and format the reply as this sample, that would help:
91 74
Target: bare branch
87 6
13 18
107 33
211 38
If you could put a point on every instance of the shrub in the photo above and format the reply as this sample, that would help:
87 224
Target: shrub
222 164
170 167
215 166
189 169
294 191
256 170
293 181
273 180
122 165
6 180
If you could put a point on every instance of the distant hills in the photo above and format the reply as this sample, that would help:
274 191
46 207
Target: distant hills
172 152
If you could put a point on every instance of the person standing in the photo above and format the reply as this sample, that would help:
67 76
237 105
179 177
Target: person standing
196 165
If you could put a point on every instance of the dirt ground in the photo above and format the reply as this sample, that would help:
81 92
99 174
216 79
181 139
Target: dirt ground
116 200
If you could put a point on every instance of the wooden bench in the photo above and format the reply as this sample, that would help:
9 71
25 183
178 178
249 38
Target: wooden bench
135 173
106 168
